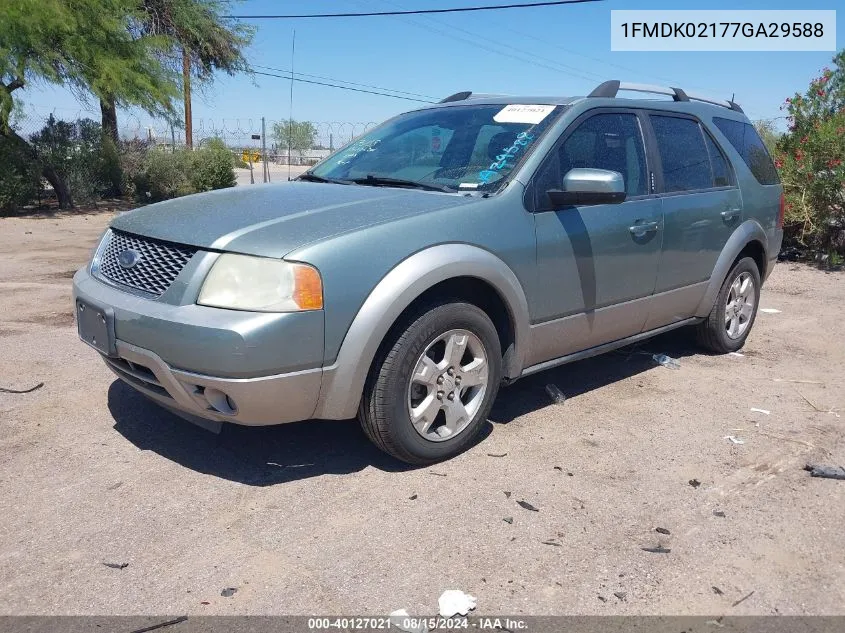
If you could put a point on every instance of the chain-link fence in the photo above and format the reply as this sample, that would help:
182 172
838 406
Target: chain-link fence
249 138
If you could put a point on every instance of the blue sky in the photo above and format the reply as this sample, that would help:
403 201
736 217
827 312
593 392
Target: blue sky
552 50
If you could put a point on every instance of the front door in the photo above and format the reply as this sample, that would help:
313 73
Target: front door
596 264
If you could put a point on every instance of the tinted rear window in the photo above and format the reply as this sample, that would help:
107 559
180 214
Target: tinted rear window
750 146
686 163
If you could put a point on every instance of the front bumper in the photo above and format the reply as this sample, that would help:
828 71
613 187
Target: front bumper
220 365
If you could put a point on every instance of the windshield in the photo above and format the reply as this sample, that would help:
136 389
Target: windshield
464 148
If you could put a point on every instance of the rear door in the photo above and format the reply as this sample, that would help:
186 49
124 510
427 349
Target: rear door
596 263
701 207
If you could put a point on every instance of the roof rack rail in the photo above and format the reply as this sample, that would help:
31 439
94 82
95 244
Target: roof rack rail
458 96
609 89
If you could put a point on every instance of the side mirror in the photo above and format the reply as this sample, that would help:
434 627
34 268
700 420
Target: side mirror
589 186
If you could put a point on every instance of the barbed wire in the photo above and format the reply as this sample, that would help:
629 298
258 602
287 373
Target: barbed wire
237 133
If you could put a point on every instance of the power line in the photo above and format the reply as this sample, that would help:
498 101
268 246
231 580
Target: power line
524 5
330 85
522 55
343 81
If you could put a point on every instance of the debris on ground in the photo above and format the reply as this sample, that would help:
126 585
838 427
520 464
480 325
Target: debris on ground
734 440
694 483
656 550
791 254
770 310
719 513
602 598
737 354
496 454
205 602
412 497
30 390
551 542
508 520
763 411
507 494
161 625
454 601
228 592
743 599
800 382
436 474
621 595
400 619
717 591
667 361
826 472
117 565
557 396
559 468
817 408
662 530
527 506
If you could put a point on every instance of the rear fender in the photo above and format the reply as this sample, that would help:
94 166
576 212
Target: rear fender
747 232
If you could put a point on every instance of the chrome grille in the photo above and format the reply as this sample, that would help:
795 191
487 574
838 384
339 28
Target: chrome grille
158 264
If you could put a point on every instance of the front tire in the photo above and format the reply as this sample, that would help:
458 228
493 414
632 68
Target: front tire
729 323
430 391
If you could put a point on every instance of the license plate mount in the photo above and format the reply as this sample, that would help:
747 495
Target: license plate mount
95 325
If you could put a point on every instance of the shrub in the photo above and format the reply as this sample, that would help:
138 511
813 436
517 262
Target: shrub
811 159
163 175
19 177
212 167
75 151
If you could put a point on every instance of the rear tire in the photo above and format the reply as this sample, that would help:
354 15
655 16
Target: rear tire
730 321
430 391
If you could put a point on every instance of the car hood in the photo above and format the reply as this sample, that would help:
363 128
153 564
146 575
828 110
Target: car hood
273 220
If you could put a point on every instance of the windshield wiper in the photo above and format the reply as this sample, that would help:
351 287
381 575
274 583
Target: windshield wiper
309 177
385 181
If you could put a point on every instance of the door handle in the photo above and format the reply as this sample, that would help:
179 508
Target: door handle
729 214
639 230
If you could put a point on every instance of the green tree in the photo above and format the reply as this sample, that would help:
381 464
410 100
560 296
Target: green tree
200 42
84 45
297 136
811 159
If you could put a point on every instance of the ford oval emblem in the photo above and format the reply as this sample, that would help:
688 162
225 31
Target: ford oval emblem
128 258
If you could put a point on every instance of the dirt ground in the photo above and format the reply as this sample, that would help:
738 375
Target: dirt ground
309 518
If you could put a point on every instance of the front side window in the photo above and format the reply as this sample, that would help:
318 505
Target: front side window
609 141
467 148
751 148
683 154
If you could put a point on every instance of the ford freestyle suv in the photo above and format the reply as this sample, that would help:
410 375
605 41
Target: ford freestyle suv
443 253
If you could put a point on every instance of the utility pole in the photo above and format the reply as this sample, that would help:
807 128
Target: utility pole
290 116
186 90
266 168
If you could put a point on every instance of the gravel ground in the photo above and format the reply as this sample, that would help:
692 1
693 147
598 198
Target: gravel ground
308 518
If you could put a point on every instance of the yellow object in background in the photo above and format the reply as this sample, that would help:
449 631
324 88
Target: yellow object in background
248 156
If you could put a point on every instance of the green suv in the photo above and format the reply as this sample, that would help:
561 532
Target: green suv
450 250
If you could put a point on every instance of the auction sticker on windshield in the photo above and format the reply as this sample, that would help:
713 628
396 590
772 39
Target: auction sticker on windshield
521 113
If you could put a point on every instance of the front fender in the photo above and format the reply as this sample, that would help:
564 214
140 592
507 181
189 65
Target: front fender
747 232
343 382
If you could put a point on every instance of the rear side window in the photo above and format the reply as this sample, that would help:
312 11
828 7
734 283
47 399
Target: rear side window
750 146
720 165
683 154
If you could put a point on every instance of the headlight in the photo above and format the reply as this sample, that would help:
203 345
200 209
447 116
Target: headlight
241 282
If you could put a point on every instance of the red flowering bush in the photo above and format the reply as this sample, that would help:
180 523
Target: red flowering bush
811 161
